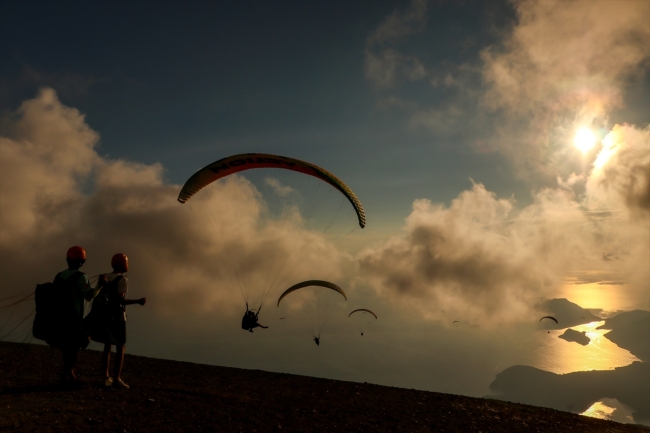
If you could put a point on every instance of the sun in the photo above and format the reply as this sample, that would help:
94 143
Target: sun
584 139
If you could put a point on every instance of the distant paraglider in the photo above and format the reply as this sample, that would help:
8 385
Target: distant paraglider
321 317
549 317
363 311
318 283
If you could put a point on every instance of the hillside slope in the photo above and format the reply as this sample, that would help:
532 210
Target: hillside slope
171 396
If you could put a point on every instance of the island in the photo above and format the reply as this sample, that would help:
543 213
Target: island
575 336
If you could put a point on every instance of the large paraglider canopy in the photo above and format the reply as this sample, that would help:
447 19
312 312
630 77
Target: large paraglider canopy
364 310
247 161
318 283
549 317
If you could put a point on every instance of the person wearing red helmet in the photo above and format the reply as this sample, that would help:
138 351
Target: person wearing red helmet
70 334
114 320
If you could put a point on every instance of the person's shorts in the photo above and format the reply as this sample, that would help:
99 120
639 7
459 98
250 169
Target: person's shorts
117 329
106 330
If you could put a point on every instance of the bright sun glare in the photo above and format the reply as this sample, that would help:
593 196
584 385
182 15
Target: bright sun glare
584 139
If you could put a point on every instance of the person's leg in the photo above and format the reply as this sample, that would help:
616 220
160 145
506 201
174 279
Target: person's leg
106 360
119 361
106 356
66 372
69 361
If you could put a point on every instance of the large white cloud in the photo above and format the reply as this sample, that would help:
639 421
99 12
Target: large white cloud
57 191
558 48
621 176
562 66
481 258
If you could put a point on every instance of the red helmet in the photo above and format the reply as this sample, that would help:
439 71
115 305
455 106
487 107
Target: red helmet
76 253
120 262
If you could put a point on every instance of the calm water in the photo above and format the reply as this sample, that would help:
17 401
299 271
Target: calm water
544 350
610 409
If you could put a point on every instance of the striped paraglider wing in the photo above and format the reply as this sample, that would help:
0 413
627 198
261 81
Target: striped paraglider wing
248 161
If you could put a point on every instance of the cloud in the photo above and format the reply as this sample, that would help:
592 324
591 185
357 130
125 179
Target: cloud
558 47
483 259
57 191
384 65
70 85
385 68
559 66
469 258
42 166
398 25
621 174
563 65
278 188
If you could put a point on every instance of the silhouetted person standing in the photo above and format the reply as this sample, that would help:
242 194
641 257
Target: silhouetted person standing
74 289
114 302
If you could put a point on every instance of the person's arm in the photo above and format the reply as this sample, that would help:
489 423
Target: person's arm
122 288
91 293
125 301
88 292
140 301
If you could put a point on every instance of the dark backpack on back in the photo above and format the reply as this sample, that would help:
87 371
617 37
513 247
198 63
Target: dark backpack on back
106 303
107 310
54 312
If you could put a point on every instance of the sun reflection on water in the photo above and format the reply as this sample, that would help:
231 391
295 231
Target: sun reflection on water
599 410
595 295
548 352
610 409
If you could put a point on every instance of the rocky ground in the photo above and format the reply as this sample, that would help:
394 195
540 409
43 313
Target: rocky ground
171 396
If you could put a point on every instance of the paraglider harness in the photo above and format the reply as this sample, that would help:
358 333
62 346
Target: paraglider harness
107 314
56 322
107 303
249 321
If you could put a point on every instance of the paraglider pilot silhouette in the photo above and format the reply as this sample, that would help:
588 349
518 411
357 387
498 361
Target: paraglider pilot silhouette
249 321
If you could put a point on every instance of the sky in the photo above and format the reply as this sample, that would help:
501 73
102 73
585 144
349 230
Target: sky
454 123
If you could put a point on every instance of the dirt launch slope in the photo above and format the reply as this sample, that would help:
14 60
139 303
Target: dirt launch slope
172 396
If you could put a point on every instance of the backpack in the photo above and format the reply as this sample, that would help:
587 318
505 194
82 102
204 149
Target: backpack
56 322
107 310
107 303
